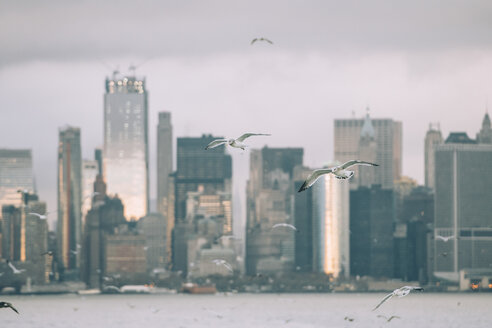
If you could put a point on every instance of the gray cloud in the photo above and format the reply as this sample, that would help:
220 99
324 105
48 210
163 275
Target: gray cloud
58 30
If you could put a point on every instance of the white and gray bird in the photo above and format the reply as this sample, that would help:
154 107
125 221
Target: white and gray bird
41 216
444 239
14 269
388 319
236 143
400 292
261 39
223 263
290 226
339 172
8 305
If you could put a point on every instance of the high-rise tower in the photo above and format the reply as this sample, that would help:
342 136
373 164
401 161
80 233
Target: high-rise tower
164 160
69 197
126 143
433 138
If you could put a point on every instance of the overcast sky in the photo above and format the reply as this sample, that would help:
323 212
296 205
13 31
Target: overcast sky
413 61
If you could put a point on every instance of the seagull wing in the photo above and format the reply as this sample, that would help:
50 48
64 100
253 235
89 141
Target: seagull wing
254 40
311 179
13 308
247 135
12 266
387 297
268 41
393 317
441 237
37 214
216 143
284 225
227 265
356 162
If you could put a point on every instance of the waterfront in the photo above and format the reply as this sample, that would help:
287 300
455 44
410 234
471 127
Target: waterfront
248 310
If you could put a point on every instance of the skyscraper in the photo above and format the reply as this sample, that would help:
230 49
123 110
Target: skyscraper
485 134
331 232
388 139
164 160
462 206
270 194
126 143
15 173
90 169
433 138
69 197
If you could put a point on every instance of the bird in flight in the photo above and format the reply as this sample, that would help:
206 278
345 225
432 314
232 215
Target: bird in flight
284 225
14 269
41 216
348 319
8 305
400 292
223 263
339 171
260 39
444 239
236 143
50 253
388 319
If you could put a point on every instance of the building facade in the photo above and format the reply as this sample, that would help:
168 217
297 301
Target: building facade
462 206
164 160
125 154
69 222
433 138
388 147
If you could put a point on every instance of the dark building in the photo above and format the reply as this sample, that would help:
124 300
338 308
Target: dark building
303 213
211 169
11 232
462 207
371 231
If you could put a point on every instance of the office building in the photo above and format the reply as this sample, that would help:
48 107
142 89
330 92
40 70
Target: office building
125 154
485 134
355 138
433 138
164 160
69 198
462 206
90 169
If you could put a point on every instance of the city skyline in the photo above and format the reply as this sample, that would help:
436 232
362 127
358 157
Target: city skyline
320 66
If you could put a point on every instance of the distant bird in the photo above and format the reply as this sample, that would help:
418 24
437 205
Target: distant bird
260 39
154 310
23 191
236 143
388 319
50 253
348 319
74 252
290 226
444 239
339 172
41 216
14 269
223 263
400 292
8 305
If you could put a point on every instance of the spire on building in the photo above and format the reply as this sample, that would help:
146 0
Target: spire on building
367 128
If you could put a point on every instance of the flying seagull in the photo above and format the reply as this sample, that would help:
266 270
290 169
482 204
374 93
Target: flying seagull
284 225
400 292
339 171
261 39
348 319
41 216
224 263
236 143
8 305
50 253
388 319
444 239
14 269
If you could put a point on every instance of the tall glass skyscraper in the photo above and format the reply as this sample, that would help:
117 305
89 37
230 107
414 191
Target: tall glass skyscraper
69 197
164 159
125 158
15 173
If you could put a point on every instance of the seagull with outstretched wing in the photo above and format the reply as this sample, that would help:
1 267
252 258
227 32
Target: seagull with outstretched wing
444 239
236 143
388 319
41 216
260 39
8 305
400 292
14 269
223 263
286 225
340 172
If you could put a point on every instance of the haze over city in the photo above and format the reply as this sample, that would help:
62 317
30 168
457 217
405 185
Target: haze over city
416 63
